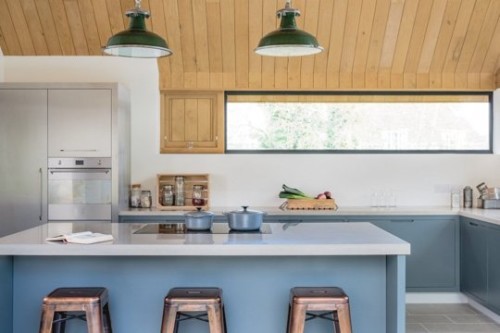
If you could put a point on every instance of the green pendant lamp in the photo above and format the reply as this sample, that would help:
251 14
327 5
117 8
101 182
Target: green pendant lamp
136 41
288 40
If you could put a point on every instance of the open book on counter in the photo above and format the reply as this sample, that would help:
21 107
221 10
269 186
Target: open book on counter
85 237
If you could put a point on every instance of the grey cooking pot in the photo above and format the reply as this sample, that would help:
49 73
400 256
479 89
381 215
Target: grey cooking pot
245 220
198 220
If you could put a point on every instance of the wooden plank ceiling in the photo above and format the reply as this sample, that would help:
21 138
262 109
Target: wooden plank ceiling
369 44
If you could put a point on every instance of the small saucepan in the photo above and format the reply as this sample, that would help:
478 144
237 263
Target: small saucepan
245 220
198 220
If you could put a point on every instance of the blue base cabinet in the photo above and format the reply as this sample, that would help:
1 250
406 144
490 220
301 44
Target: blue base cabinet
480 262
434 261
473 260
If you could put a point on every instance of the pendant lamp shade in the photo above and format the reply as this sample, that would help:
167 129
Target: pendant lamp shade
136 41
288 40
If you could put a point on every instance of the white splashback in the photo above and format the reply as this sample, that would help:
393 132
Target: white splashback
256 179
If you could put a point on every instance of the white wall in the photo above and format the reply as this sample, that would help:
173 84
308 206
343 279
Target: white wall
417 180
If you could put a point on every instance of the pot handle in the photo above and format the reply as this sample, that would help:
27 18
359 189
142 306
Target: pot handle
198 209
244 208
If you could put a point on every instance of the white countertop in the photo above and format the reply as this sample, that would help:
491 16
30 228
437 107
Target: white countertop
285 239
487 215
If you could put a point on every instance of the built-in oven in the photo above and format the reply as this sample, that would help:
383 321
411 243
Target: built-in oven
79 189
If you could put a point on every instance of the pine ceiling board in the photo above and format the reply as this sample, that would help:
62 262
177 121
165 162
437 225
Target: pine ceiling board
3 45
335 45
144 5
158 25
201 41
76 27
349 44
35 27
376 42
115 16
21 27
491 60
8 32
404 36
281 73
126 5
171 13
62 27
485 37
418 35
254 34
102 20
363 43
241 42
228 41
188 43
90 27
49 27
459 33
323 36
389 44
472 35
310 24
214 44
436 18
268 25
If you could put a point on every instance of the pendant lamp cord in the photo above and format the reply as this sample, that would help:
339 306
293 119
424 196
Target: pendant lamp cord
137 4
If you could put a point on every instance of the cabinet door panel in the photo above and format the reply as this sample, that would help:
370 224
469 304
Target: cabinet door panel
23 159
432 263
80 122
473 252
494 267
192 122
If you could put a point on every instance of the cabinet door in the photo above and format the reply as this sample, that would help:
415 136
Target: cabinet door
494 267
192 122
432 264
79 122
473 252
23 159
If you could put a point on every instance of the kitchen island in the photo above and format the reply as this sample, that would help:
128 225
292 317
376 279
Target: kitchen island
255 270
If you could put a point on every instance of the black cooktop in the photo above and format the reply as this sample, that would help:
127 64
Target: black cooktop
180 228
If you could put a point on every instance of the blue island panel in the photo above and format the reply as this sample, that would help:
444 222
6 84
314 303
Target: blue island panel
255 289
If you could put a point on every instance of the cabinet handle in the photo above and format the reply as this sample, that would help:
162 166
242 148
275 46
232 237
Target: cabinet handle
41 193
473 224
403 221
77 150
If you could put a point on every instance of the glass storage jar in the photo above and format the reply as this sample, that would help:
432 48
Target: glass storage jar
179 191
198 195
146 199
168 195
135 195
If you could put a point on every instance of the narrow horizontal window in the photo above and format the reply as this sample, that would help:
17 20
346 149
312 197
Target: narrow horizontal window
306 122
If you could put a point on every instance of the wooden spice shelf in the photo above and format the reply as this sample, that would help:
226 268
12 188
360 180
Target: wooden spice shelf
189 181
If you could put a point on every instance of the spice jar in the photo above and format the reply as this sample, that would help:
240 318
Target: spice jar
198 195
146 199
168 195
135 195
179 191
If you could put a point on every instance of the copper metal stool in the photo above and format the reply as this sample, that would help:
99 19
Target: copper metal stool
180 302
59 303
329 301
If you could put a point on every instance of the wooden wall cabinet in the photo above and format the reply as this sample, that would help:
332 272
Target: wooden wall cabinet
192 122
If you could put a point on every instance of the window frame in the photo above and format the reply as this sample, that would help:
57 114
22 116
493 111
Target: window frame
489 94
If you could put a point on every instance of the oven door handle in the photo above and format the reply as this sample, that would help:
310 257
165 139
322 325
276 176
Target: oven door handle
53 171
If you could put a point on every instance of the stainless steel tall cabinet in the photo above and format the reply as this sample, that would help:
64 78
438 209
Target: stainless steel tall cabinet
23 159
37 117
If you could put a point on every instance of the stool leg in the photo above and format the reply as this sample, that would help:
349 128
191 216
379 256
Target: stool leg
215 319
107 319
60 325
344 318
298 319
94 318
169 318
47 318
224 318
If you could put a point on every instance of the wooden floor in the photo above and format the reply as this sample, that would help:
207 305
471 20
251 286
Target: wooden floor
437 318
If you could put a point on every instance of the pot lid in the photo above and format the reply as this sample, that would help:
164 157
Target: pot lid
247 211
199 213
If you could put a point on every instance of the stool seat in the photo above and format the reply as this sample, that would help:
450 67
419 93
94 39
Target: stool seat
331 300
179 302
92 301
